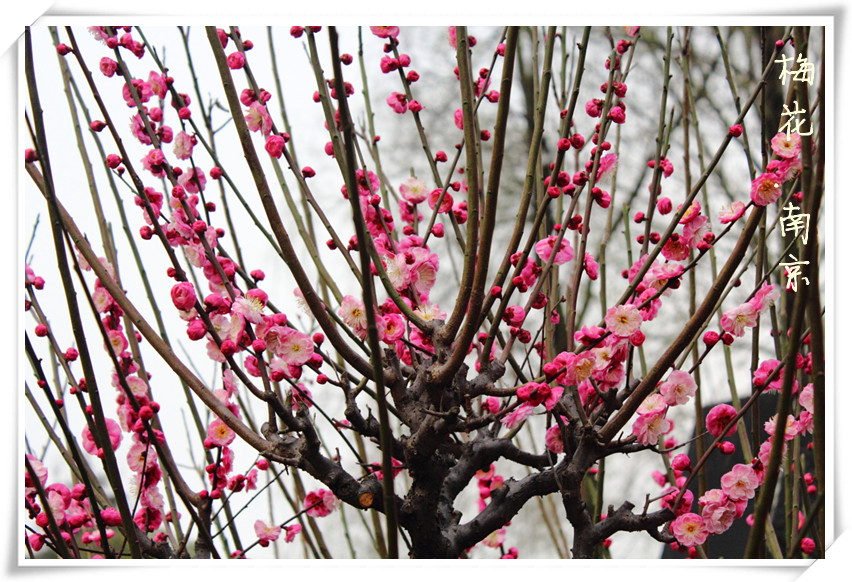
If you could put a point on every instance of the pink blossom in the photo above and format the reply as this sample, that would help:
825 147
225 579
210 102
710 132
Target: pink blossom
765 297
652 405
544 248
806 398
291 531
183 296
649 428
393 328
137 128
689 530
765 189
398 102
553 439
787 147
791 427
385 31
740 482
623 320
413 190
731 212
114 431
718 512
591 266
266 532
517 416
607 166
294 347
718 418
108 66
679 388
219 433
193 180
446 202
183 145
320 503
353 313
736 320
258 119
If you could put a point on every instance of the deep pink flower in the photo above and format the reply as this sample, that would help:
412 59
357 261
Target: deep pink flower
183 296
718 418
765 189
320 503
385 31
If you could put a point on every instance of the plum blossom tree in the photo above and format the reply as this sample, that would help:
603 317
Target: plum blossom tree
506 358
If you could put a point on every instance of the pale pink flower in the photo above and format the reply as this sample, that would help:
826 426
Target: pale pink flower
193 180
266 532
517 416
430 312
544 248
740 482
258 119
413 190
718 512
183 145
786 147
141 456
251 308
398 271
806 398
791 428
294 347
689 530
578 367
731 212
736 320
623 320
353 313
40 472
138 386
652 405
424 270
219 433
765 189
102 299
679 388
765 297
650 427
117 340
320 503
607 166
